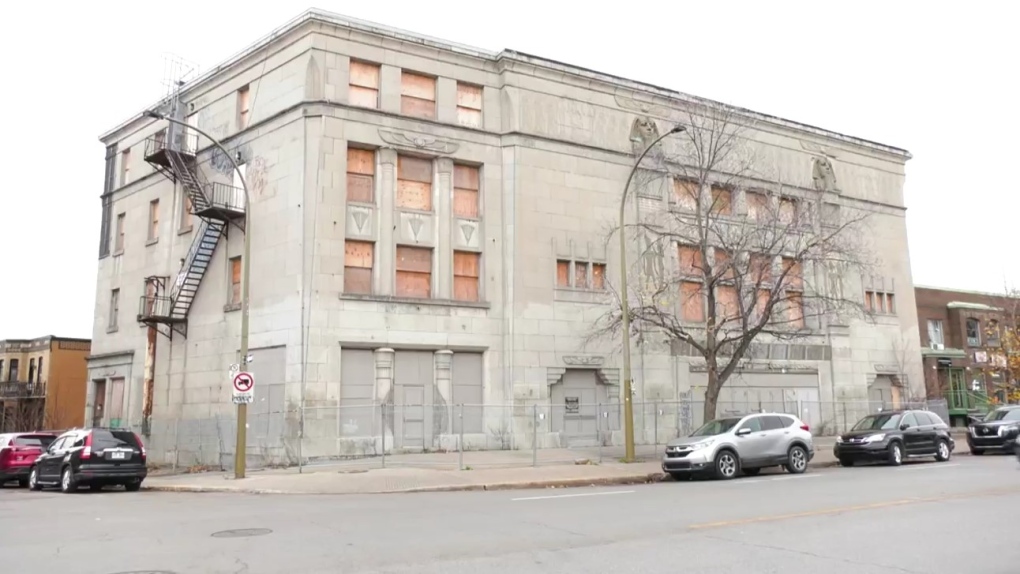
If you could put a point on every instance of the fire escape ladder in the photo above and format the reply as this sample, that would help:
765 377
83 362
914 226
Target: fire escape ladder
190 179
200 255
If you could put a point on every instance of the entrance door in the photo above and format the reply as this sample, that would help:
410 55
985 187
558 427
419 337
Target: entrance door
413 399
98 402
575 403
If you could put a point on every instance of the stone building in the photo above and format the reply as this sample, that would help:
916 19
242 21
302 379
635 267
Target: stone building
429 226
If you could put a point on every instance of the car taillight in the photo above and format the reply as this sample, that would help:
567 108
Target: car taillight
141 445
805 427
86 452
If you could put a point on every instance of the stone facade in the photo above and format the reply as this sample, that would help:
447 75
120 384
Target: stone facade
551 148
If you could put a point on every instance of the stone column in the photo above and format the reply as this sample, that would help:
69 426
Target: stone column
383 388
386 191
444 385
444 226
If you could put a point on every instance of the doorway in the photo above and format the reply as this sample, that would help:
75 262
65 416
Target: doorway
98 402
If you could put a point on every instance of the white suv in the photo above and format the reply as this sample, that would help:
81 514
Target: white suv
728 446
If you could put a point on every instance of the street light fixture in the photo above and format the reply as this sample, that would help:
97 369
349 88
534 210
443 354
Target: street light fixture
628 403
240 449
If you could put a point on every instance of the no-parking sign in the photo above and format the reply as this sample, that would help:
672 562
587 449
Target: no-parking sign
243 388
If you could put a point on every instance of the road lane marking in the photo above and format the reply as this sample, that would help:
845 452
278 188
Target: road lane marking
854 508
572 495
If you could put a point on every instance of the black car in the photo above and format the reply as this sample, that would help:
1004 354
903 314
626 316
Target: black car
997 431
95 457
893 436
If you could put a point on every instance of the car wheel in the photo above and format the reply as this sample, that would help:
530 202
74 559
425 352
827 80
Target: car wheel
67 482
136 486
942 453
895 454
727 465
796 460
751 471
846 461
33 479
977 451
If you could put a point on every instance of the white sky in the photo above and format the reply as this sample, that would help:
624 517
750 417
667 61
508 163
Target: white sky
940 82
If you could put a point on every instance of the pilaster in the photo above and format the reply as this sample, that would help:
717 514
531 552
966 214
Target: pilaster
386 192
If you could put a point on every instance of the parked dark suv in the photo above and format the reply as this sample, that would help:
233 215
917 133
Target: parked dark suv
892 436
997 431
95 457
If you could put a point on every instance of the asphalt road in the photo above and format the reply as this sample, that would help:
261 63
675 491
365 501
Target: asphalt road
928 518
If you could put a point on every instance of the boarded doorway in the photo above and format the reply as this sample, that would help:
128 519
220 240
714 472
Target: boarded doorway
575 399
413 400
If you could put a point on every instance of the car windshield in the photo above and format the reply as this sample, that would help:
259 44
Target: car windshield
42 441
878 422
718 426
104 439
1004 415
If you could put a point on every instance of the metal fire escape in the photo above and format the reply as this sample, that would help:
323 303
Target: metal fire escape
173 152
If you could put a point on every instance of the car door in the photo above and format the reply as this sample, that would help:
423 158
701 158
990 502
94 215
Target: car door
752 445
48 464
928 432
776 436
913 438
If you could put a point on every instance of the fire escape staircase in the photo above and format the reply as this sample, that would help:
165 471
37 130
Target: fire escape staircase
217 205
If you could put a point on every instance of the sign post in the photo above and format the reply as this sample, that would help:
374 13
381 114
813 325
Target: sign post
243 388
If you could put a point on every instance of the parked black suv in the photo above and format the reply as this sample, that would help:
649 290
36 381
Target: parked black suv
893 436
95 457
998 431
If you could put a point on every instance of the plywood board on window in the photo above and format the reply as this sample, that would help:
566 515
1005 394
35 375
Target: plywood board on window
757 205
414 195
357 280
364 75
598 276
469 96
691 261
466 177
418 107
416 259
360 161
581 275
360 188
412 284
466 263
563 273
787 210
796 309
465 203
794 273
727 302
414 169
358 254
686 194
469 118
363 97
722 201
465 288
417 86
691 302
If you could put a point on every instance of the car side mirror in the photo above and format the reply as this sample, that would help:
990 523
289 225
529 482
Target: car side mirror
743 432
904 426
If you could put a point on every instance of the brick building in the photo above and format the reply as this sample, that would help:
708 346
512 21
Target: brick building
963 358
428 228
42 383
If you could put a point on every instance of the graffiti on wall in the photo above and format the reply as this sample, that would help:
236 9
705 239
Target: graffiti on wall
255 172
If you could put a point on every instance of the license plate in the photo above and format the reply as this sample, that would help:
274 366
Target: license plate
117 455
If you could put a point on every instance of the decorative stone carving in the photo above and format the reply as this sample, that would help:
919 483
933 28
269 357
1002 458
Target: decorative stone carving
822 174
583 360
639 106
360 221
425 143
643 132
652 259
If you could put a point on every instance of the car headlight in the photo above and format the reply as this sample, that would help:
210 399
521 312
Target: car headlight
1006 429
839 440
875 438
702 444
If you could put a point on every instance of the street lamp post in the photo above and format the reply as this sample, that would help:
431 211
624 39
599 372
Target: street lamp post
628 403
240 449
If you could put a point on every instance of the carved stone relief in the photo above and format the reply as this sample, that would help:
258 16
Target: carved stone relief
424 143
823 176
583 360
360 221
652 259
643 132
415 228
467 234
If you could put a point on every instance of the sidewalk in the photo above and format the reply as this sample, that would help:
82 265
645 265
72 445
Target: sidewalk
486 470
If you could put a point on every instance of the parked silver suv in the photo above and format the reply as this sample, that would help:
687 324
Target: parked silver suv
728 446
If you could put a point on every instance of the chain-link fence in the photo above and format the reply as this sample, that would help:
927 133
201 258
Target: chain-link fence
465 436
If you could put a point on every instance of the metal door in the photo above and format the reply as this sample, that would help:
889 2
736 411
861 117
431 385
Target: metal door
575 407
413 399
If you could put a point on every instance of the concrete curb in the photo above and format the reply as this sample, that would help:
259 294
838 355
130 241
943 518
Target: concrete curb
643 478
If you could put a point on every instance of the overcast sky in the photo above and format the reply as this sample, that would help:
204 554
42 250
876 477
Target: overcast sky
940 82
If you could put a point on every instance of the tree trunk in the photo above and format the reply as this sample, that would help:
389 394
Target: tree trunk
711 395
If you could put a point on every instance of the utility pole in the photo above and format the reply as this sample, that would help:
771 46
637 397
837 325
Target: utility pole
240 449
628 403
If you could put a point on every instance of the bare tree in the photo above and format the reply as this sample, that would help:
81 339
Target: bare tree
753 256
1006 333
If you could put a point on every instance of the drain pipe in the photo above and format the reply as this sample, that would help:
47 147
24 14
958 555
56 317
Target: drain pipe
149 383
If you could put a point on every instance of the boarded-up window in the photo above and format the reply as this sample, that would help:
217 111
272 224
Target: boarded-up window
691 262
562 273
360 175
686 194
125 167
757 206
759 269
787 210
761 302
581 275
154 219
118 241
692 306
727 304
243 107
465 275
417 95
114 314
598 276
235 280
187 218
794 274
796 309
722 201
469 105
723 267
358 258
414 272
364 85
414 183
465 191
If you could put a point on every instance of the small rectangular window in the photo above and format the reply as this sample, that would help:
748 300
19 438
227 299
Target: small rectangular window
465 191
581 275
364 85
935 333
417 95
757 206
686 194
562 273
469 105
114 310
722 201
125 167
360 175
359 257
692 303
154 220
414 183
414 272
187 217
465 275
118 241
787 210
243 107
794 274
598 276
235 280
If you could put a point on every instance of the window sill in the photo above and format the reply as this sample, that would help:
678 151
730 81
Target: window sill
414 301
112 329
117 253
185 230
230 307
152 242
